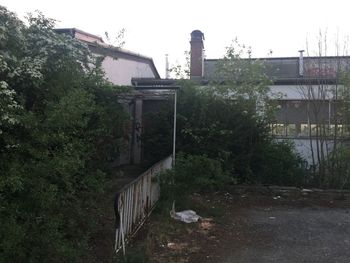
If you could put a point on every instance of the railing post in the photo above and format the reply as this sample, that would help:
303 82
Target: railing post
135 203
174 133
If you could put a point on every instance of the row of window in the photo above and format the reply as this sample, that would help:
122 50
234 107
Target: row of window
293 130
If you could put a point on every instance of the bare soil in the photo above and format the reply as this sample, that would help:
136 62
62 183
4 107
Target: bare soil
244 224
256 225
101 243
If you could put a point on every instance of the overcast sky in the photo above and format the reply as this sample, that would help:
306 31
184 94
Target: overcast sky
158 27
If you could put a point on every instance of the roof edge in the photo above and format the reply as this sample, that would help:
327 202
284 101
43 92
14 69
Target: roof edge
104 45
129 53
278 58
74 30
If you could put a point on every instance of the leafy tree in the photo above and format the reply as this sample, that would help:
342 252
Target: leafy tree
228 120
182 71
327 111
60 125
243 79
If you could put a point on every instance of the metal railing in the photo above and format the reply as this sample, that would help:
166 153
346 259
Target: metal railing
135 201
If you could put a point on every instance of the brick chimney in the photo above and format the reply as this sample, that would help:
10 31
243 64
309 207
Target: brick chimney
197 55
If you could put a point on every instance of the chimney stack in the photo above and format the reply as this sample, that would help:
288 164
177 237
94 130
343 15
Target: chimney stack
197 55
301 63
167 76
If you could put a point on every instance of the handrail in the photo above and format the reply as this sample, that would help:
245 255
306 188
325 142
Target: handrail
135 201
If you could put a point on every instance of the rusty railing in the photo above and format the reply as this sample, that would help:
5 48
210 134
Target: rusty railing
135 201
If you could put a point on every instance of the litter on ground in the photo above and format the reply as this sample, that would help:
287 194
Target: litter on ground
187 216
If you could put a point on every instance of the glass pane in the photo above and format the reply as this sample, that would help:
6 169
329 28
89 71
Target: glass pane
291 130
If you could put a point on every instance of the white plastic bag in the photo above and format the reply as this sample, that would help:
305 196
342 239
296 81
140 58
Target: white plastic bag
187 216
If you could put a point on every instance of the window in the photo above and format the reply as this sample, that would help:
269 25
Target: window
291 130
278 129
304 129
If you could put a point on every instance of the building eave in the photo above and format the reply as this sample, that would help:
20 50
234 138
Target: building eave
105 49
116 52
281 58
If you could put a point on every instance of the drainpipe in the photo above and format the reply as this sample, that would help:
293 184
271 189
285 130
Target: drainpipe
301 63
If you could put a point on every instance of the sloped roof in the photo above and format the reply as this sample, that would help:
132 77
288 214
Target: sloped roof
97 45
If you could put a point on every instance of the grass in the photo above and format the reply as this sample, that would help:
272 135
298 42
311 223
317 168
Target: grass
134 254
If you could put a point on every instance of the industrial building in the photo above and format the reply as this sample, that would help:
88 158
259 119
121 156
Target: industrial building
308 93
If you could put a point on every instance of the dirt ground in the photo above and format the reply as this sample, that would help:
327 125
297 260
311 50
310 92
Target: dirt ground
248 225
101 243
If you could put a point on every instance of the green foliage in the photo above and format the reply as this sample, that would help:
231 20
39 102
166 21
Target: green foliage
60 125
244 81
192 173
224 130
281 165
182 71
239 139
221 129
339 177
226 120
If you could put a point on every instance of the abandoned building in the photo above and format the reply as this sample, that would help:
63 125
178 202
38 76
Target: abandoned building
120 65
306 86
126 68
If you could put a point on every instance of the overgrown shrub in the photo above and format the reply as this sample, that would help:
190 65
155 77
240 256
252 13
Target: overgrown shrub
339 176
281 165
221 129
225 130
192 174
60 123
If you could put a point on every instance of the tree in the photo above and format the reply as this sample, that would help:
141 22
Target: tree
244 80
228 120
327 111
60 124
118 40
182 71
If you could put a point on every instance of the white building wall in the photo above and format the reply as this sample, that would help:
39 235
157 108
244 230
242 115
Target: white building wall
301 92
120 71
303 147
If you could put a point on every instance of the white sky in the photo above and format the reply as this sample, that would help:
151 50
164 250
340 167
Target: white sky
158 27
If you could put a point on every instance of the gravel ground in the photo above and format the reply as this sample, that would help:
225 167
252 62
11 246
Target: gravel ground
258 226
299 234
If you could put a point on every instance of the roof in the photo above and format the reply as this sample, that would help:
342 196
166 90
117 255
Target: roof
155 84
285 70
74 32
98 46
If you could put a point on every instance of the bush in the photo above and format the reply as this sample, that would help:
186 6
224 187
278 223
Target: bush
192 174
60 123
227 131
281 165
339 176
